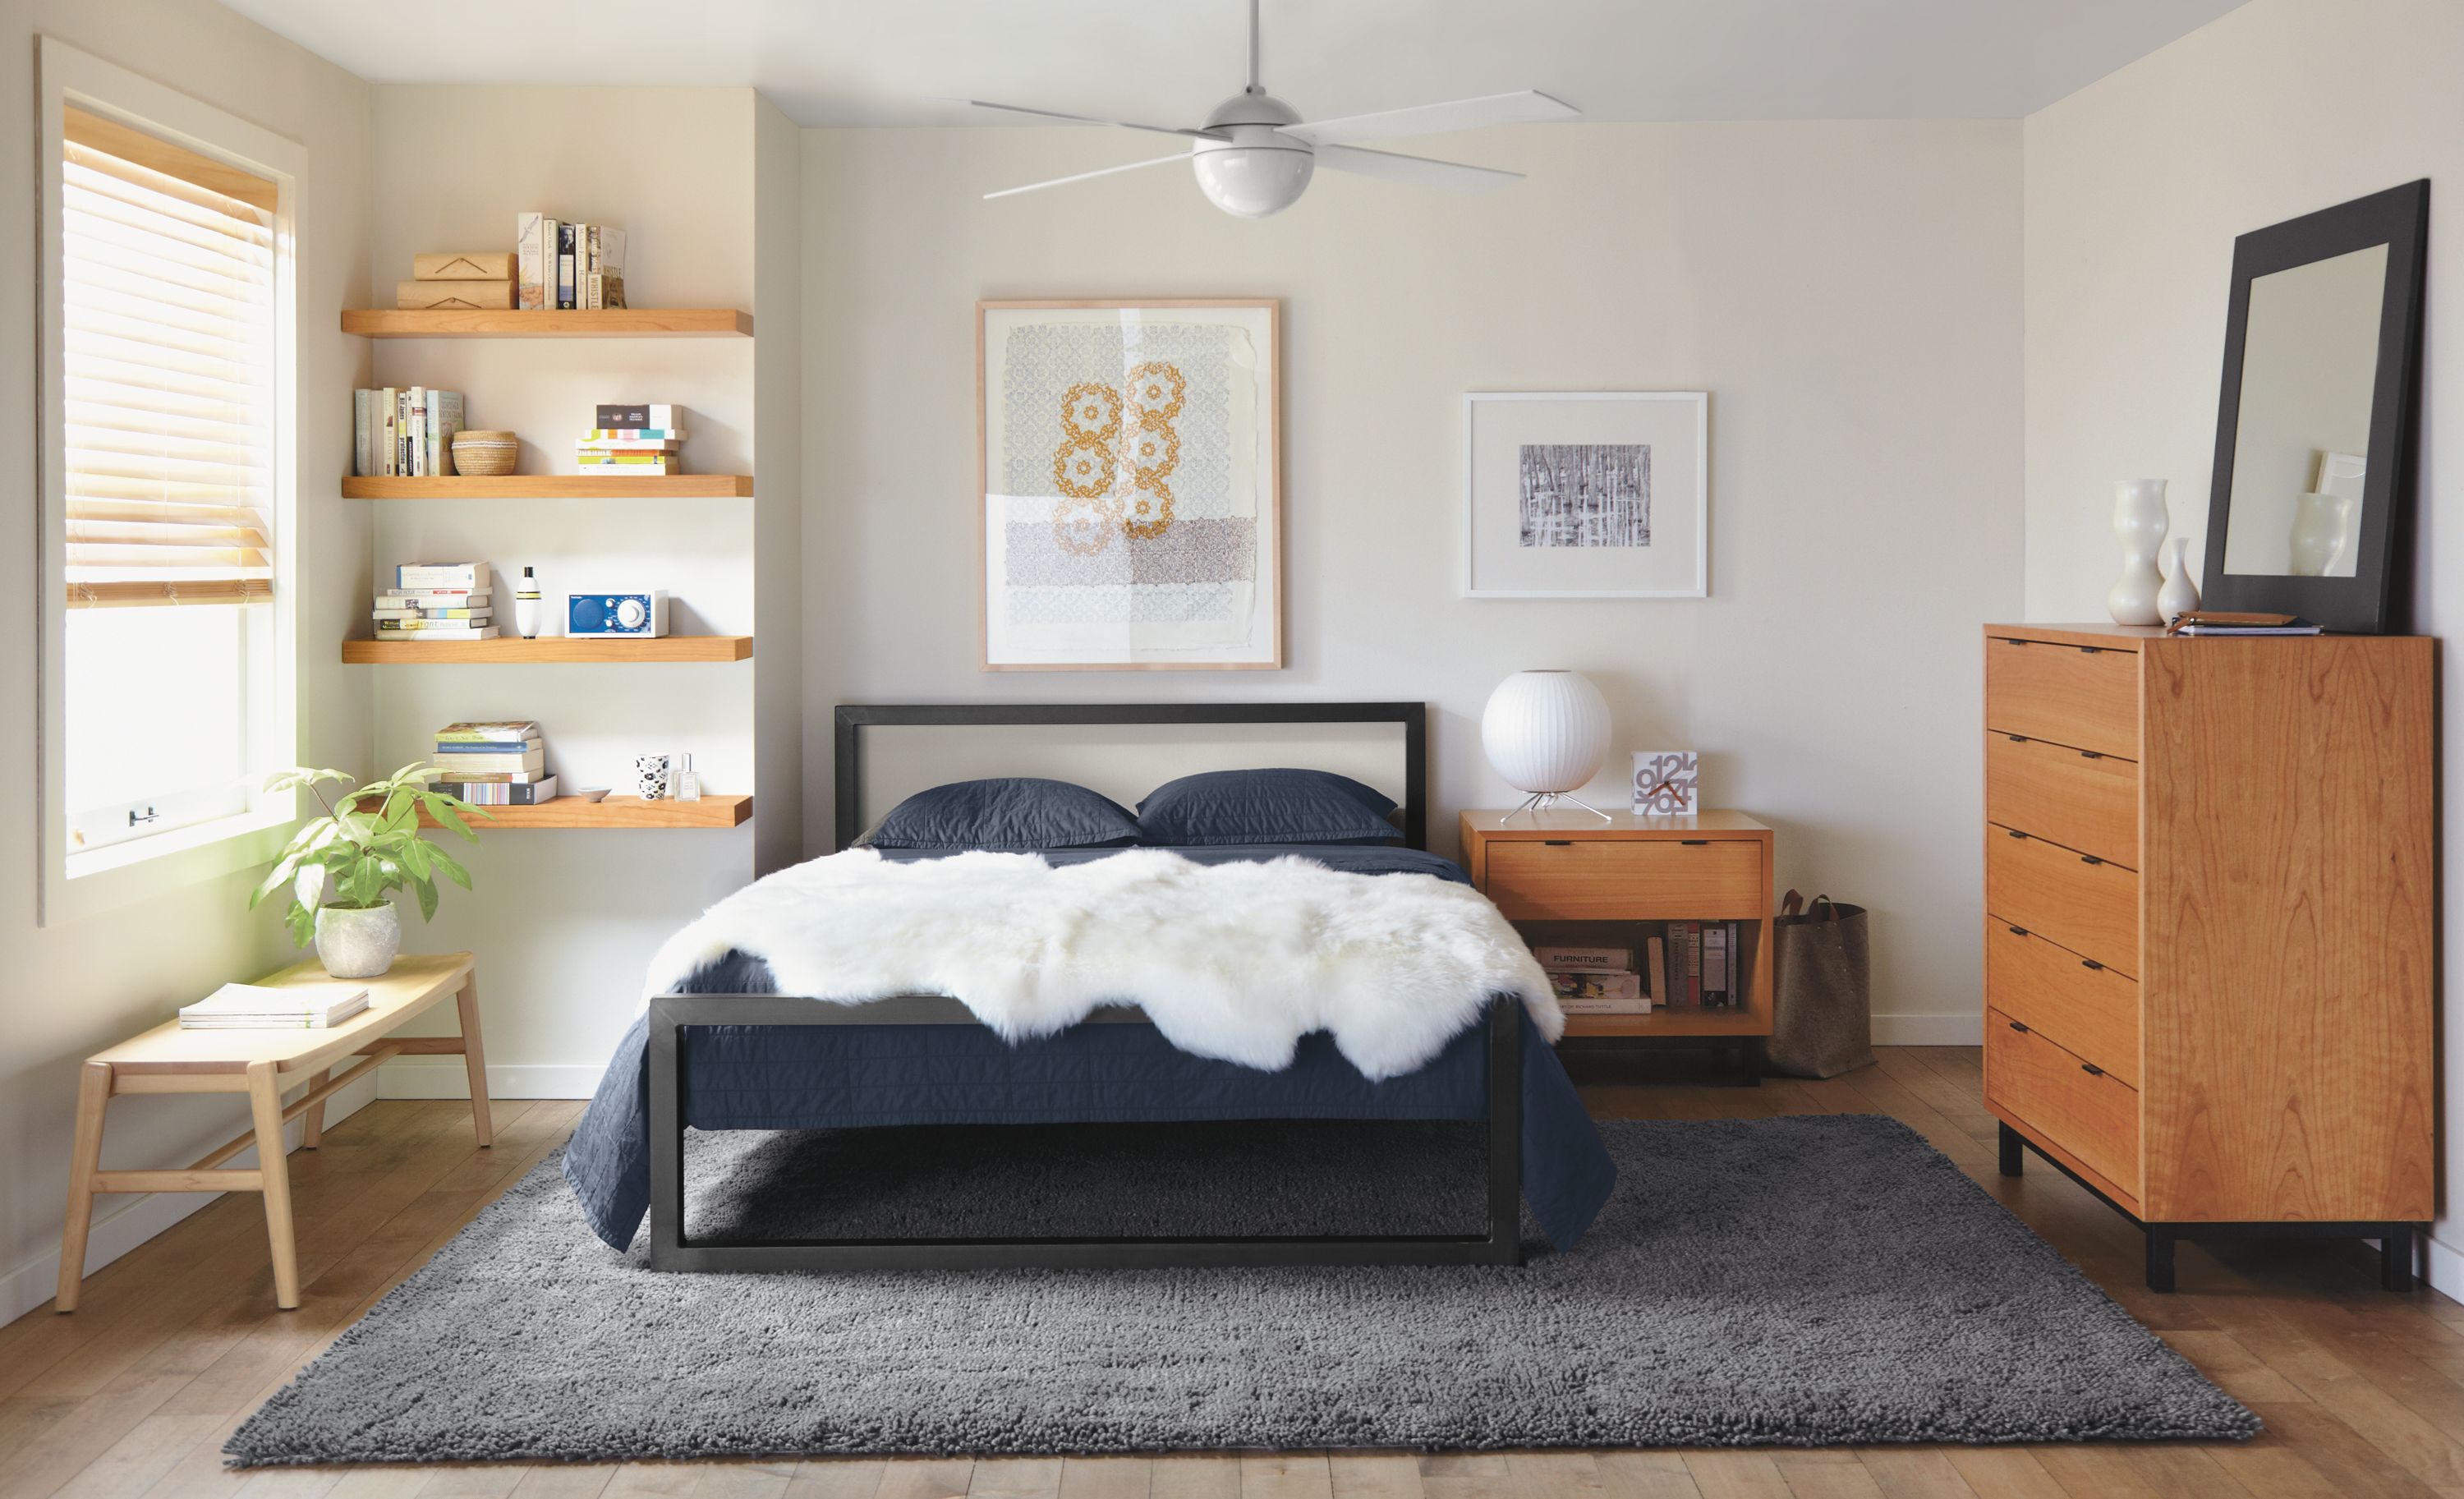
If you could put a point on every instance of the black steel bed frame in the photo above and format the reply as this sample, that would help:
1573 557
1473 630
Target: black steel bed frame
672 1016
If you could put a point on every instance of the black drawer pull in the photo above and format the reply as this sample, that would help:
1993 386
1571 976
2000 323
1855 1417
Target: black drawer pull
2091 1069
1695 843
2010 642
2089 858
2091 963
2018 930
2017 739
2090 755
2014 832
2021 1030
2090 651
1557 843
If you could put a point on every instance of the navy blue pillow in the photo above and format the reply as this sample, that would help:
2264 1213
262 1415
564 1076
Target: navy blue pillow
1013 814
1234 806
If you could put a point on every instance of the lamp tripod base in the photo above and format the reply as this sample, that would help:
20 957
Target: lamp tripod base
1539 802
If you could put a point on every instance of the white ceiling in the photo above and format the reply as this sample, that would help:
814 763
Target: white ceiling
879 62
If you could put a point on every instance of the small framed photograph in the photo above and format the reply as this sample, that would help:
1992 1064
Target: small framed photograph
1587 495
1666 783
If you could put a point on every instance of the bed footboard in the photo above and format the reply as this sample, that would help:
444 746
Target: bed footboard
671 1251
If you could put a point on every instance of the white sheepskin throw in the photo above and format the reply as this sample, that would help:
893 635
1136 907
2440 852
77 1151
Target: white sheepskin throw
1236 961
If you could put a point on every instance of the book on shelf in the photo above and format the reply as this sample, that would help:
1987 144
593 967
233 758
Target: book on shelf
1598 960
257 1007
654 416
593 442
501 793
462 750
1599 991
465 767
529 261
567 267
634 434
432 598
404 431
440 577
602 281
489 731
442 630
1655 969
470 616
454 770
641 465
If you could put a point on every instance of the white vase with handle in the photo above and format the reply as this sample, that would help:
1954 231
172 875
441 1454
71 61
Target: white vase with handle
2140 522
2180 595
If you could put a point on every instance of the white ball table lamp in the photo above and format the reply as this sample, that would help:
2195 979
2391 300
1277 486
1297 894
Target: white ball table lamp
1546 733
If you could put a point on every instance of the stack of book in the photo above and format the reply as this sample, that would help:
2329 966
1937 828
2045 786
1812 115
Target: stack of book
1595 981
559 266
400 430
633 441
472 280
436 601
1699 966
494 763
256 1007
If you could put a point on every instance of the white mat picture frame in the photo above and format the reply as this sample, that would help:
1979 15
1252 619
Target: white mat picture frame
1651 540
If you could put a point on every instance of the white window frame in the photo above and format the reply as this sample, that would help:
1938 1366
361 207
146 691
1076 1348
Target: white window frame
79 884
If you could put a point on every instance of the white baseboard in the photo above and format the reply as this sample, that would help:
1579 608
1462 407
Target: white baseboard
144 1216
2445 1272
444 1077
1965 1029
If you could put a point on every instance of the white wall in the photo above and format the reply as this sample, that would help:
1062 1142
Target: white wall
1849 293
2136 187
70 990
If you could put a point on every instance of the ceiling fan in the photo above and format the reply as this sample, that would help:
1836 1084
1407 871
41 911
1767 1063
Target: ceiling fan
1255 155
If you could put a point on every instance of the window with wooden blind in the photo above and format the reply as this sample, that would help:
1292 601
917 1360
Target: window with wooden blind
168 678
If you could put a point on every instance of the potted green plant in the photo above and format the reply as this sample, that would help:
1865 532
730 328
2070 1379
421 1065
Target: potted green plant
343 867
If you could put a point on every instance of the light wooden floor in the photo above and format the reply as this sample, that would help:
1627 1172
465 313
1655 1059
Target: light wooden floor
2362 1392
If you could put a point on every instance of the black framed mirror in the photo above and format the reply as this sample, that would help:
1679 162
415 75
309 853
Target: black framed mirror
2311 509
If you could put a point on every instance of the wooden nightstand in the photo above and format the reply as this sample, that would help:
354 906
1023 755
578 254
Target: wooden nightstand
1567 876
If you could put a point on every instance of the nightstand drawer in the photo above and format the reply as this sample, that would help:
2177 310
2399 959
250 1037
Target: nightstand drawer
1626 879
2080 799
2078 1002
2072 900
2087 699
2076 1104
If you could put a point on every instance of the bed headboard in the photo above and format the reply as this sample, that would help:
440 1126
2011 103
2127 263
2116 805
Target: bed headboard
888 752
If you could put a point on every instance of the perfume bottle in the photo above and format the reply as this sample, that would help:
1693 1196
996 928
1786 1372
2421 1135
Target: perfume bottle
688 780
526 606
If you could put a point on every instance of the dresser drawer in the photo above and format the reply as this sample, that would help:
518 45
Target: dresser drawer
2070 695
2080 799
2074 1104
2073 899
2077 1003
1626 879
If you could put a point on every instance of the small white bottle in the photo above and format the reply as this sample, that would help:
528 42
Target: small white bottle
526 606
688 780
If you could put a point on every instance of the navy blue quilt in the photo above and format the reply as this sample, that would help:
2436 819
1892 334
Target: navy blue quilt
816 1077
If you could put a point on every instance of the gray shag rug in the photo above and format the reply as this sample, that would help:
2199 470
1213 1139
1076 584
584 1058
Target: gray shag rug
1803 1281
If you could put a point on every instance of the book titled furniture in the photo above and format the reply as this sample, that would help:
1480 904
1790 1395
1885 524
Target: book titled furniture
1568 876
264 1064
2210 897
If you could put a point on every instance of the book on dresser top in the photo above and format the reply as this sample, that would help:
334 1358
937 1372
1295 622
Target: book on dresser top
256 1007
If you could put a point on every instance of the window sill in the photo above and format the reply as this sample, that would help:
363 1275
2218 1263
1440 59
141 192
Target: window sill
146 869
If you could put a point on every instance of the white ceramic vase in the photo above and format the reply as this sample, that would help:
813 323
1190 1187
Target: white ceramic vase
2180 595
358 945
2318 533
1546 732
2139 523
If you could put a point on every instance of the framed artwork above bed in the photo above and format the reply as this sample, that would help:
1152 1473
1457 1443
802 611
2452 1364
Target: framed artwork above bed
1128 456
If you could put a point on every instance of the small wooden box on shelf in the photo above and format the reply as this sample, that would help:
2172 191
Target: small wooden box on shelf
1557 870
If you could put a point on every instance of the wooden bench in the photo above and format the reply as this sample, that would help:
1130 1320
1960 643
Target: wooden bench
264 1064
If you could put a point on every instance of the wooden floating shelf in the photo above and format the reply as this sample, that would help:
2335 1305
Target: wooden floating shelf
615 811
550 486
509 648
614 322
1670 1022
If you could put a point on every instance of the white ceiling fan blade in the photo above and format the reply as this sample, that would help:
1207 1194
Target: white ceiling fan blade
1101 172
1417 170
1084 120
1462 114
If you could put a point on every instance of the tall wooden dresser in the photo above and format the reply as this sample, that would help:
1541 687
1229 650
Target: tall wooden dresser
2211 896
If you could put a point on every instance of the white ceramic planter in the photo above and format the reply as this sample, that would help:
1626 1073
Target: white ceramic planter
358 945
2140 522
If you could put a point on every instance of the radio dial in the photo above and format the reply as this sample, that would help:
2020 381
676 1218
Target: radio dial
630 615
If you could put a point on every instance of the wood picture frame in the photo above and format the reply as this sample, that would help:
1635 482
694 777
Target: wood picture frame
1249 628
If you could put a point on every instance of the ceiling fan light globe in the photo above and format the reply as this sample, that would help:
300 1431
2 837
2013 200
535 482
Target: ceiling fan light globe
1254 174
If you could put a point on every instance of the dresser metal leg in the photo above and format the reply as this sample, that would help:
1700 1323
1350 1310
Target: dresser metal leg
2015 1151
2159 1259
2395 1258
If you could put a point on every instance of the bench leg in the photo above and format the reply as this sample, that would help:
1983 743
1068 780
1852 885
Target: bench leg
274 1169
311 1124
474 1058
85 1158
